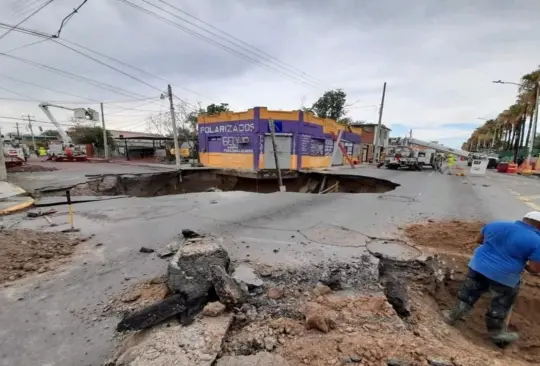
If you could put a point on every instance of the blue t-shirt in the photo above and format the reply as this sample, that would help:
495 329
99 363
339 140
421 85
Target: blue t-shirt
505 251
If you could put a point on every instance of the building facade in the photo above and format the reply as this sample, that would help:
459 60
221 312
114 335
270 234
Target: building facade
368 132
242 140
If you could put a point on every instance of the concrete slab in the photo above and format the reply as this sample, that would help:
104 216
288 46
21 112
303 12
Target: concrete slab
173 344
8 190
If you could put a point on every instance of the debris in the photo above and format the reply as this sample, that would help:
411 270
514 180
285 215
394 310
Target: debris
189 270
246 274
213 189
146 250
274 293
173 344
276 250
259 359
130 297
160 311
40 213
174 245
99 244
318 318
190 234
228 291
23 252
352 359
321 289
164 253
396 362
439 362
213 309
395 291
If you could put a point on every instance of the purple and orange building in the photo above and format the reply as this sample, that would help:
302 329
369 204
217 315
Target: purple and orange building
242 140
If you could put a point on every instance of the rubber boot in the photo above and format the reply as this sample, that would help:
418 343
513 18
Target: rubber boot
457 313
502 338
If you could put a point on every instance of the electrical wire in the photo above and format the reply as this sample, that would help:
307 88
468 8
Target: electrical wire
130 66
35 120
240 42
25 19
217 44
17 93
76 77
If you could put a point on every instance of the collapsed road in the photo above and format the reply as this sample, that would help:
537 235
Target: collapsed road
60 320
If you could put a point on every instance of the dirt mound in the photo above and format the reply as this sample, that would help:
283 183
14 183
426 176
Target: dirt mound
23 252
27 168
140 295
454 242
452 234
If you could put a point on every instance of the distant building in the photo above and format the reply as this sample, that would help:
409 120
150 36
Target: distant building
242 140
367 130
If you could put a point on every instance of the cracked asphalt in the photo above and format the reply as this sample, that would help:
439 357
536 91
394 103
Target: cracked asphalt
56 318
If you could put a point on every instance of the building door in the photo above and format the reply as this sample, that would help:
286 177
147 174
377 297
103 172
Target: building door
338 157
283 147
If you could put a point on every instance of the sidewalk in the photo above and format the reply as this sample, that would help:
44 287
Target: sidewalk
13 198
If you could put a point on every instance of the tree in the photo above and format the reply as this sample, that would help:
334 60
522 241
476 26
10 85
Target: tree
53 133
90 135
213 109
331 105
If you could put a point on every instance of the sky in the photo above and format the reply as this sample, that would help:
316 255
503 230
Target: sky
438 57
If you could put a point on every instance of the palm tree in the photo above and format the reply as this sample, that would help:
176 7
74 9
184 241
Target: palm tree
528 94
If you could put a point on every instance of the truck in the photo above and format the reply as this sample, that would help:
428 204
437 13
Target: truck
13 152
57 151
409 158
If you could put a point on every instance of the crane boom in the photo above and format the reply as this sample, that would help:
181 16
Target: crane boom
438 147
63 135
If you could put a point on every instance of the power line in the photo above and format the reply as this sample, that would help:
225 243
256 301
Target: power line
220 45
130 66
37 121
19 94
277 62
25 19
76 77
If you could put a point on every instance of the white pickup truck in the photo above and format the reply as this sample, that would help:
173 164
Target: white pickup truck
405 157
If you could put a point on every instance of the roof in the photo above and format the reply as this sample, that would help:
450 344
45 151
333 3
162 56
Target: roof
134 134
369 125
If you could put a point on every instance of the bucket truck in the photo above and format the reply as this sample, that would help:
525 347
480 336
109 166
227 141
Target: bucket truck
57 152
415 154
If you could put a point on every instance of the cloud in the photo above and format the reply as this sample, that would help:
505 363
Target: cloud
438 57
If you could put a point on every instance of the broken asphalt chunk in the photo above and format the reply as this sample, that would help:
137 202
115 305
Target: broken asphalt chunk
189 269
146 250
247 275
160 311
228 291
395 290
190 234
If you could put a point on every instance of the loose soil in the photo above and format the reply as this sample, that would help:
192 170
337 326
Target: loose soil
28 168
140 295
25 252
455 241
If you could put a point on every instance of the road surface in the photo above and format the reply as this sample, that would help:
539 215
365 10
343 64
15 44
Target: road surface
51 319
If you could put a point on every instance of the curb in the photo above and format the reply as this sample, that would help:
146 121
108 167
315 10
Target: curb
16 199
17 206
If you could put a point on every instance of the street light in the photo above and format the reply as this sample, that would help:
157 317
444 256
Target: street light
535 115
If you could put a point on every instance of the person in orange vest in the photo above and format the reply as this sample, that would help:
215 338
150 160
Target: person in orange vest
69 153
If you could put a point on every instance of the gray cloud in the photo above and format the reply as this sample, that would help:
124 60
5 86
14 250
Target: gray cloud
438 57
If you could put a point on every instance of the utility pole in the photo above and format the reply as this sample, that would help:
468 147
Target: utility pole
17 126
175 133
3 171
532 135
105 145
32 132
273 135
378 129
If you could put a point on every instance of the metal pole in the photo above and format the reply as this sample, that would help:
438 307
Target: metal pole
532 135
273 135
32 133
105 142
3 171
378 129
175 133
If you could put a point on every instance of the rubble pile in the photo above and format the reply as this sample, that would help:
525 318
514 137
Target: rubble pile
367 311
25 252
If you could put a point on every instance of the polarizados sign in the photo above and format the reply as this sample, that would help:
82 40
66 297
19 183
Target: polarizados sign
234 127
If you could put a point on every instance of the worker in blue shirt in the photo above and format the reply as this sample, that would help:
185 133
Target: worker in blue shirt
506 250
